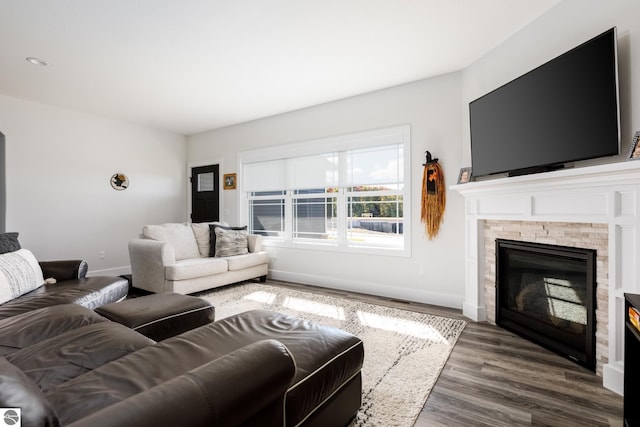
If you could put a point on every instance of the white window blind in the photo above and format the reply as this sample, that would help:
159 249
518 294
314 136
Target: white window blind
318 171
265 176
343 192
375 166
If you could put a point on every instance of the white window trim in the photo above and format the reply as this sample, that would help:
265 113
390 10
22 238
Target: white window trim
378 137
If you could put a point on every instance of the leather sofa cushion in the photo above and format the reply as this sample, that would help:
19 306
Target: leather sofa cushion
326 358
56 360
160 316
90 292
18 391
240 262
28 328
243 388
196 267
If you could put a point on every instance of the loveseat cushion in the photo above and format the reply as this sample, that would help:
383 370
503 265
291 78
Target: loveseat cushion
56 360
192 268
31 327
19 273
180 236
202 234
19 391
240 262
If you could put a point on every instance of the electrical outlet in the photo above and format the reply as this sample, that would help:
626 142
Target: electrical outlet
101 254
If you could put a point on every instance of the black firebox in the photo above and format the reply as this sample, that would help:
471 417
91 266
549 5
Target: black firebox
546 293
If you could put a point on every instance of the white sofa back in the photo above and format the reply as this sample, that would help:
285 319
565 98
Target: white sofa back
188 240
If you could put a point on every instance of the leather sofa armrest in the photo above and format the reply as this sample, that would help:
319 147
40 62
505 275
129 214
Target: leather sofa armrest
240 388
255 242
64 269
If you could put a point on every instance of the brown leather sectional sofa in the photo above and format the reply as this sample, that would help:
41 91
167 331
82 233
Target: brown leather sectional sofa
72 287
64 364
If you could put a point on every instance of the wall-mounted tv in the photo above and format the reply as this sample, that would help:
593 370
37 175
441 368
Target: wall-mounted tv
564 111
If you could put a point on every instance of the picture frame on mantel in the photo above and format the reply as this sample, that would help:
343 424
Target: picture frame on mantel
634 150
464 176
229 181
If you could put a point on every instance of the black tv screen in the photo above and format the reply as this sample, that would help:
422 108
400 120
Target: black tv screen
563 111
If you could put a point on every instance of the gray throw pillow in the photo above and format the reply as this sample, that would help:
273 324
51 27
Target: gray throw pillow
230 242
213 237
9 242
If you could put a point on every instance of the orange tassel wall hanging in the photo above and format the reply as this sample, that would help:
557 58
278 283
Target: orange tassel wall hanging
434 196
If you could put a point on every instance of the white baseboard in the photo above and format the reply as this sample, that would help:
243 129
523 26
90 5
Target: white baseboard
377 289
613 377
474 312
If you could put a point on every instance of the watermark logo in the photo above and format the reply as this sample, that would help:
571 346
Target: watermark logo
10 417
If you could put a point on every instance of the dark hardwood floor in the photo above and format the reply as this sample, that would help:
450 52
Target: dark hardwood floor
495 378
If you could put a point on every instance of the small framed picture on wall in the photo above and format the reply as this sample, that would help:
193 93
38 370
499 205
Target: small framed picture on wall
229 181
634 150
464 176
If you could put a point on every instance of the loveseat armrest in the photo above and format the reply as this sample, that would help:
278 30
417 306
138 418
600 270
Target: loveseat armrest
254 242
64 269
243 388
148 260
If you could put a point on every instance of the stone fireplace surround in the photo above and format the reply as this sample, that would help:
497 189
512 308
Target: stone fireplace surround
578 235
595 207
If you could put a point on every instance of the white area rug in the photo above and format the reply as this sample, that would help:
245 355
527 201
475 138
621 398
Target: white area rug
405 351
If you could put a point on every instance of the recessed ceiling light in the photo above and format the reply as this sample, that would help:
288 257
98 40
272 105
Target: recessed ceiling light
37 61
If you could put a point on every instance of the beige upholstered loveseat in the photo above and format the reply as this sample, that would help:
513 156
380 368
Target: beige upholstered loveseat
179 257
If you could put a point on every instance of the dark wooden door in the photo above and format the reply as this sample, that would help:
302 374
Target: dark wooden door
205 193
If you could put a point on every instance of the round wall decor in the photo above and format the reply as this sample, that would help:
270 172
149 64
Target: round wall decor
119 181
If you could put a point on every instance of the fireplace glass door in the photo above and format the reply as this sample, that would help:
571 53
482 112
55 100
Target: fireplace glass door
546 294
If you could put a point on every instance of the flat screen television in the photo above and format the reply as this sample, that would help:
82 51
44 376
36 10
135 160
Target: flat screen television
564 111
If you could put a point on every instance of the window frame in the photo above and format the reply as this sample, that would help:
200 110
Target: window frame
361 140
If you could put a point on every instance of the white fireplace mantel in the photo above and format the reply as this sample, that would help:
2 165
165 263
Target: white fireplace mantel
607 194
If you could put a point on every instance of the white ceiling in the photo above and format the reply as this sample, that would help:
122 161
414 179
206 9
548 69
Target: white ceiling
189 66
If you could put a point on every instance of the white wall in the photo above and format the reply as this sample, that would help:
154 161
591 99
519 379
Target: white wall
58 162
562 28
429 107
58 166
435 271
